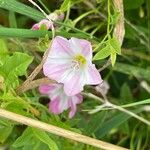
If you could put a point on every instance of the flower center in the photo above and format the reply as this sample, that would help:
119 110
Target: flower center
80 59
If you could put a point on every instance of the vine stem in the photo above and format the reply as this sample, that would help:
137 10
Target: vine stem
129 113
58 131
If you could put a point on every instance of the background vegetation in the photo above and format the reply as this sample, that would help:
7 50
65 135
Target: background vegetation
21 50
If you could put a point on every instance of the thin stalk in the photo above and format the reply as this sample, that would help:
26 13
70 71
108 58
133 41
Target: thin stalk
48 11
58 131
83 15
129 113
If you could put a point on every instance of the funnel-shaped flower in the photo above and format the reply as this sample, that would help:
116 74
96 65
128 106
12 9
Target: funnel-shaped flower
59 100
70 62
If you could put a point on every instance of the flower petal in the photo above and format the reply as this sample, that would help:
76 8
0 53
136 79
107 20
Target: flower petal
74 84
54 106
73 102
56 71
35 26
92 76
45 89
59 104
46 22
75 46
60 48
81 46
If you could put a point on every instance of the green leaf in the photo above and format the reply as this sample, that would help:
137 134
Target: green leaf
21 8
94 122
3 51
27 33
3 47
15 66
103 53
113 58
25 138
112 48
133 70
128 4
117 120
65 5
12 20
5 130
115 45
125 93
42 136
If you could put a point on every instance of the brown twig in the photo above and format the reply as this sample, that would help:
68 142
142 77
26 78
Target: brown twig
26 83
58 131
34 84
119 30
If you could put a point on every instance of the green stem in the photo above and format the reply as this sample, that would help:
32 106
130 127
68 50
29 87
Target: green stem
48 11
129 113
83 15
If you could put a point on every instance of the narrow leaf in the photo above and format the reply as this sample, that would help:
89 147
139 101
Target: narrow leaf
21 8
103 53
42 136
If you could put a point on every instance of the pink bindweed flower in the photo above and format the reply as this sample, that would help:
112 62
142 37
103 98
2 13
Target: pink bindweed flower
70 62
59 100
57 15
44 22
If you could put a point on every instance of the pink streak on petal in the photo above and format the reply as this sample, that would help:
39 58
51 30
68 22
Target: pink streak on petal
80 98
35 26
75 46
74 100
45 89
74 85
73 108
54 106
86 49
61 45
54 71
93 76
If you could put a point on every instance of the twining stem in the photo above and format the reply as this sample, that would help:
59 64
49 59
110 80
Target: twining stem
58 131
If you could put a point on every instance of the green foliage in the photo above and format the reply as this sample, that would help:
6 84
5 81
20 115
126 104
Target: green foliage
15 66
111 49
65 5
18 7
43 137
130 5
93 21
30 136
111 124
5 129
